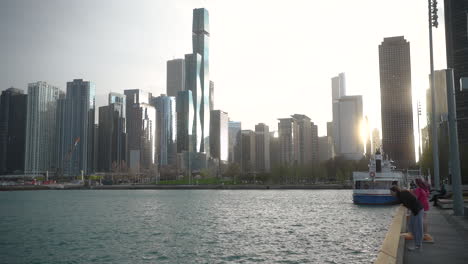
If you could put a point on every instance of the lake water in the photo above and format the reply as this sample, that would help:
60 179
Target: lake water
189 226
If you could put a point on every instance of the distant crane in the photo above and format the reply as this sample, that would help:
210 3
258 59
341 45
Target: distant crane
67 158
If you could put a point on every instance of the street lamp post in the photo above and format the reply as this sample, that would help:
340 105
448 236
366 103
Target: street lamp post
419 135
435 148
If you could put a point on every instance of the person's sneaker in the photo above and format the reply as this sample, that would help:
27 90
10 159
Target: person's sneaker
414 248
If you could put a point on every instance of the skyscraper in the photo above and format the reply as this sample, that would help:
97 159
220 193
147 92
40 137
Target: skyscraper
197 78
338 90
456 31
396 100
288 133
192 83
112 151
274 151
141 130
325 148
315 143
40 128
13 106
79 126
219 135
235 138
248 151
175 76
166 129
304 135
185 122
350 110
262 142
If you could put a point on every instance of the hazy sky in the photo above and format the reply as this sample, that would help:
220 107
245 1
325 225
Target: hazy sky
269 59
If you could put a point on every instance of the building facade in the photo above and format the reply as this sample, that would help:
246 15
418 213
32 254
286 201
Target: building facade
338 91
13 106
197 78
456 31
41 128
79 127
288 133
396 101
141 131
235 139
248 150
185 122
112 134
262 148
175 77
351 119
219 135
165 129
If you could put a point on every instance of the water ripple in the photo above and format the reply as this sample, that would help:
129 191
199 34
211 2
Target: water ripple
199 226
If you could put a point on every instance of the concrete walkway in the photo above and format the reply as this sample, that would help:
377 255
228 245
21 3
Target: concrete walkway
450 235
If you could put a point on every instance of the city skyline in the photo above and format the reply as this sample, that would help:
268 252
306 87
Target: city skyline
174 43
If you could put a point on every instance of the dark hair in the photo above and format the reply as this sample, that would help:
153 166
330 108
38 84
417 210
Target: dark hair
422 184
395 189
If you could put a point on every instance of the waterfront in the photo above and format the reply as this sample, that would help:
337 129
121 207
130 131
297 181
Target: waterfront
189 226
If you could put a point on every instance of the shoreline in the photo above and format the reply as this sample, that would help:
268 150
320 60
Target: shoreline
177 187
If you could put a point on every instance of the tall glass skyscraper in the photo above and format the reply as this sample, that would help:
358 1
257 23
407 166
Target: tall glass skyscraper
397 107
166 129
185 121
234 134
197 78
79 127
40 127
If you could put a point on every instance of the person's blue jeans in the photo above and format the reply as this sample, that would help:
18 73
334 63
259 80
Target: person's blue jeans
416 227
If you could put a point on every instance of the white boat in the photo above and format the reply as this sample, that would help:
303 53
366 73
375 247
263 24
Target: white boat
373 187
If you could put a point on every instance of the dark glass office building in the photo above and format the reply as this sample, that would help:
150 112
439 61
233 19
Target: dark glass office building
396 101
456 35
79 127
13 106
112 133
185 122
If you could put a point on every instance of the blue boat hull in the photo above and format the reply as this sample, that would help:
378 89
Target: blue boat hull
374 199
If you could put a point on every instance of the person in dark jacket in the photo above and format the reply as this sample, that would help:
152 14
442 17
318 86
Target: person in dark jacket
417 214
440 193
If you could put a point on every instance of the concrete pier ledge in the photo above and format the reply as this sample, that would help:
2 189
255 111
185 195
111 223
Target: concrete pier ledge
392 249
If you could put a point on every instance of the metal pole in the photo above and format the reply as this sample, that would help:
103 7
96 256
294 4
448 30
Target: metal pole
435 147
454 152
419 135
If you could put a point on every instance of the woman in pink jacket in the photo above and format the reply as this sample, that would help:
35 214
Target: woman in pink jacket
422 192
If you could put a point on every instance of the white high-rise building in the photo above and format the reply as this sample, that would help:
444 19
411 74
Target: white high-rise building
41 127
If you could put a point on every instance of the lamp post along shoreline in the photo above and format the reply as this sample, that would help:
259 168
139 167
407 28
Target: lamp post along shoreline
435 148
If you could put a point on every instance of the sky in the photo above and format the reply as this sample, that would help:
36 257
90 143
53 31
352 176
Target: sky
269 59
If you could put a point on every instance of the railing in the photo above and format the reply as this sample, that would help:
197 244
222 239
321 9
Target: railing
392 249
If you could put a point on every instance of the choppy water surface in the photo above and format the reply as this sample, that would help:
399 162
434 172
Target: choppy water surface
189 226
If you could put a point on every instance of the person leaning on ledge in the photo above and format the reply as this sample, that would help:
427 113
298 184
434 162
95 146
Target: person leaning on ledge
417 213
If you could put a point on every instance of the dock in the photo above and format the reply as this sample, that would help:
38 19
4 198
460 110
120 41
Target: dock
450 235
